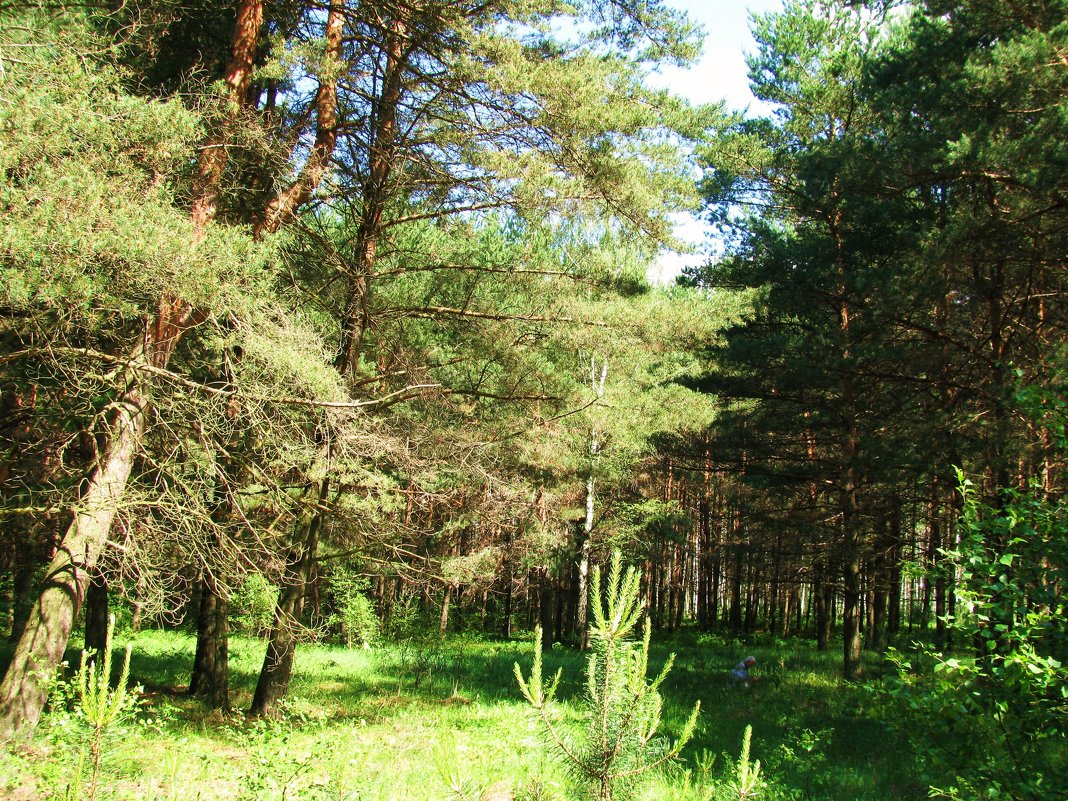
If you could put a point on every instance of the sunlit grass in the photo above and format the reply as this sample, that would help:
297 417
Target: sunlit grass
436 720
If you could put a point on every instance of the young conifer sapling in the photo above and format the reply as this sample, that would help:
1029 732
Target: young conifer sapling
618 744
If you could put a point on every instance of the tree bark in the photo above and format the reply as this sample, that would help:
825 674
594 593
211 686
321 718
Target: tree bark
851 633
277 667
286 203
582 600
40 649
238 78
736 590
96 616
582 607
506 623
446 601
705 557
546 616
382 158
824 598
210 679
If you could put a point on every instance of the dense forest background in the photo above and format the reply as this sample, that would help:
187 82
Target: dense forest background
330 320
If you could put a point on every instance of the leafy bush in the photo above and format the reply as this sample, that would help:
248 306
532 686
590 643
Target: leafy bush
252 605
353 614
995 723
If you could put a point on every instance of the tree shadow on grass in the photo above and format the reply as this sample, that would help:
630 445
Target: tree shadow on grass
813 732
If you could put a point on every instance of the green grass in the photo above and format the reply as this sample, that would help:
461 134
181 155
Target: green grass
440 721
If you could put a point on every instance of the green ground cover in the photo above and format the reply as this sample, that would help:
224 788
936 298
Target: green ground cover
433 720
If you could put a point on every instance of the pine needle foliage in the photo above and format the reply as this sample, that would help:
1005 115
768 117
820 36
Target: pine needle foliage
618 744
747 780
102 705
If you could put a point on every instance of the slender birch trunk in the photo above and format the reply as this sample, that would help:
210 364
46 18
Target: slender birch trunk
582 607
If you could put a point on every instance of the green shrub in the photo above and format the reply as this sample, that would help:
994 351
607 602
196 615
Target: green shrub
252 605
993 723
84 714
354 614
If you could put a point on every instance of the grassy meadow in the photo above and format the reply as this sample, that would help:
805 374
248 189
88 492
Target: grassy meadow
445 720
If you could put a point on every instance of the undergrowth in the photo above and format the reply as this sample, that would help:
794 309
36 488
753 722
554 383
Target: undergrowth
444 720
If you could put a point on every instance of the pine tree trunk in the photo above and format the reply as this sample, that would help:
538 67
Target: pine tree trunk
96 616
714 589
671 586
382 156
880 587
775 615
443 622
582 601
799 610
703 563
824 599
545 608
851 634
210 679
277 667
506 623
582 605
736 592
940 577
21 592
786 611
40 649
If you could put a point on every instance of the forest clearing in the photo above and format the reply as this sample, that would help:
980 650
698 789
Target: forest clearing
445 720
343 401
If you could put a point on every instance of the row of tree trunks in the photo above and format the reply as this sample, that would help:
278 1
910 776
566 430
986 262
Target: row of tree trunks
808 603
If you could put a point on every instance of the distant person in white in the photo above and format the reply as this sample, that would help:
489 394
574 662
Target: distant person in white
740 674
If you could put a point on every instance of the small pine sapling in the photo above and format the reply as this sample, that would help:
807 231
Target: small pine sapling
101 705
747 781
618 745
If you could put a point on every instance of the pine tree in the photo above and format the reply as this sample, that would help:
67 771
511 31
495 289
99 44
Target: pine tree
619 742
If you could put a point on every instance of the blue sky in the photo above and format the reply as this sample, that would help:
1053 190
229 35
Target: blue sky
719 75
721 72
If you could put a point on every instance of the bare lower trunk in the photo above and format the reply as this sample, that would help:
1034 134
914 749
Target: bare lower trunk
582 607
443 622
277 667
545 608
96 616
851 633
506 623
824 598
736 591
210 679
40 649
582 624
878 619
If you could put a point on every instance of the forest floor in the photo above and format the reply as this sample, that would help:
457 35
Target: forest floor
445 720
